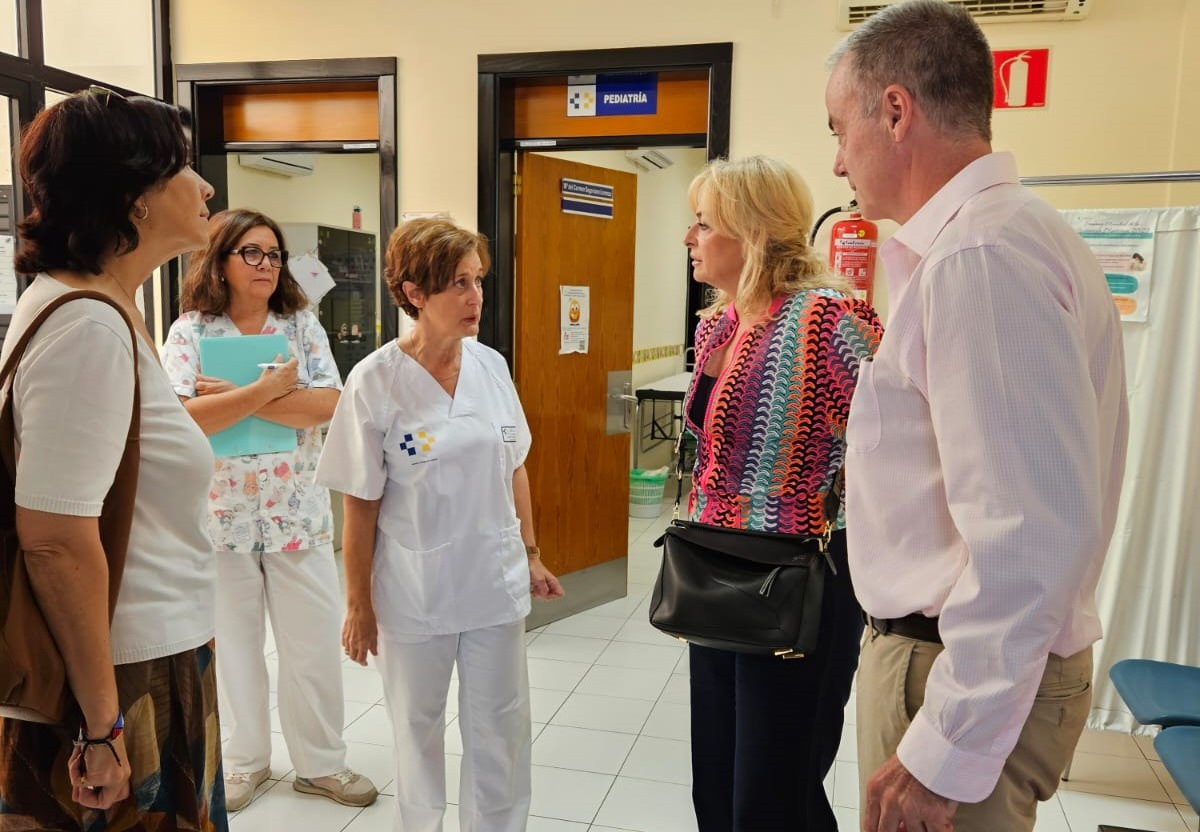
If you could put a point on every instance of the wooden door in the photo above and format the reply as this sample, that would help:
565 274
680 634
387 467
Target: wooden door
579 473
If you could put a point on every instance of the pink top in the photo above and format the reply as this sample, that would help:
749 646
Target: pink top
986 446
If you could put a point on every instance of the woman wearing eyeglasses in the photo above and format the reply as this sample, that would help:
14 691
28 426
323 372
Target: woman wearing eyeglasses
270 523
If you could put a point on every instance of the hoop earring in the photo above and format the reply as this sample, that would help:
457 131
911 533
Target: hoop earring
145 212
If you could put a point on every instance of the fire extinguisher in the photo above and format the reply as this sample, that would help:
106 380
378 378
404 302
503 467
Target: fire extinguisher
852 245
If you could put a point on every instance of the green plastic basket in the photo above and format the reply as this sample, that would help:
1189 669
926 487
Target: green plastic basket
645 492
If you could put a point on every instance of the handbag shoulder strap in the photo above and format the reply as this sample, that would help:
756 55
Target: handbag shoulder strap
116 517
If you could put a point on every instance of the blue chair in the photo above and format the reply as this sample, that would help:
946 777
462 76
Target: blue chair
1159 693
1179 749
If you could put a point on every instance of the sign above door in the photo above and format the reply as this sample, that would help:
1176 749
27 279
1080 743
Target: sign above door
615 94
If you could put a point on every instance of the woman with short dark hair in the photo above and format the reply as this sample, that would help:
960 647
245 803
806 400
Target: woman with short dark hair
112 198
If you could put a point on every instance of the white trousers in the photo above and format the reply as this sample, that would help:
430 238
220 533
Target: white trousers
493 716
300 591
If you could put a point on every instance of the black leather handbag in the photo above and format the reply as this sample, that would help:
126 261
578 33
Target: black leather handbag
751 592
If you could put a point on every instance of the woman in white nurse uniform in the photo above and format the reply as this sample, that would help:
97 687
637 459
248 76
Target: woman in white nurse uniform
428 445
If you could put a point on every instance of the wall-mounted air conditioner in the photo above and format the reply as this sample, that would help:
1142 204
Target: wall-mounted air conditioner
853 12
647 158
280 164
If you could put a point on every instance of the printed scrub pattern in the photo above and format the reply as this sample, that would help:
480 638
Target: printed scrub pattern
263 502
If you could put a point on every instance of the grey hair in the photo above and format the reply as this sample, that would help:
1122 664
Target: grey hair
934 50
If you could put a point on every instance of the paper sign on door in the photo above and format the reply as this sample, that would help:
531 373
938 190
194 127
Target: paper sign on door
574 303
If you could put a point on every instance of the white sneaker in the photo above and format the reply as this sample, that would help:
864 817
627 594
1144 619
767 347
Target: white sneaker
240 786
345 787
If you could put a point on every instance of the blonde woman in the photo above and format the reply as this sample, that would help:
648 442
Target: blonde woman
777 357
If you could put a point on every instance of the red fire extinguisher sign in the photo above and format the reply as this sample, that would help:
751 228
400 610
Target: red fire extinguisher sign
852 245
1020 78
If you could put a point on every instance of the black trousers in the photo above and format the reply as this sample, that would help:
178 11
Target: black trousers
765 730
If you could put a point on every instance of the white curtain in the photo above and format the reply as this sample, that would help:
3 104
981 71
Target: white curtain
1149 593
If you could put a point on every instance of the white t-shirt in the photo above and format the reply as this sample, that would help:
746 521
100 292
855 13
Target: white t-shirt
72 398
448 550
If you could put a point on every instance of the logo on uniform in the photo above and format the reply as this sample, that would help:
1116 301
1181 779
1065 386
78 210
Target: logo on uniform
420 442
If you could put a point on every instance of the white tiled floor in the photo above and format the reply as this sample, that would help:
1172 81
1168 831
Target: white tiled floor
610 750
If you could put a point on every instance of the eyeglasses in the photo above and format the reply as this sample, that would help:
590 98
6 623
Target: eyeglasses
104 92
253 256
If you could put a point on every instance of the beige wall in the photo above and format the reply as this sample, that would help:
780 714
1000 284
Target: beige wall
1122 93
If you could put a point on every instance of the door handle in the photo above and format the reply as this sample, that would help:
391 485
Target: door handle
630 403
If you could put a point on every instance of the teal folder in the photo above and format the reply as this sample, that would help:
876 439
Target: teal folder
236 359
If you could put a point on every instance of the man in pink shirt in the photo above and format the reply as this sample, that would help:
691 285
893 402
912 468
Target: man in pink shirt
986 442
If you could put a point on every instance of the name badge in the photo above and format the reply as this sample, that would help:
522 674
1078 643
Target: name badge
508 433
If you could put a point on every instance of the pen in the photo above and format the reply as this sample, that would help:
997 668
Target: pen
271 366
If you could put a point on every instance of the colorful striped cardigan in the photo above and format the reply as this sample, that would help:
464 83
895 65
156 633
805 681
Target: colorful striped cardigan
773 436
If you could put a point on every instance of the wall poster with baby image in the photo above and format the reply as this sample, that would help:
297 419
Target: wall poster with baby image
1123 242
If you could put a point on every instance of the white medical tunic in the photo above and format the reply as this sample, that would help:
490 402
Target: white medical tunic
448 550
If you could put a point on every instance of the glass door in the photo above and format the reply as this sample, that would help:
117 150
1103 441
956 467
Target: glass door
15 98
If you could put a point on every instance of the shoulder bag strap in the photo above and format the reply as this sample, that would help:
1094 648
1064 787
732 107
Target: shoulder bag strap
680 445
117 515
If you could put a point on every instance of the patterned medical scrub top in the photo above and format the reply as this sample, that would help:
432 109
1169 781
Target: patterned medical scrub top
263 502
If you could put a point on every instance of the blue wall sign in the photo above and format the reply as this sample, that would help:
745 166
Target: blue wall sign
634 94
623 94
591 199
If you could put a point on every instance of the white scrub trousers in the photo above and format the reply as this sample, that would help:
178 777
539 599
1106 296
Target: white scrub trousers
300 590
493 715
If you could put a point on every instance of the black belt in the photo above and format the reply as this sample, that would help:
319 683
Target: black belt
917 626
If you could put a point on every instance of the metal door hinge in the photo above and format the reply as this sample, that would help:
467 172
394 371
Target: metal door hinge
516 184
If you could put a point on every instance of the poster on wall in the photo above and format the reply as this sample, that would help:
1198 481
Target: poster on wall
8 277
574 303
1123 242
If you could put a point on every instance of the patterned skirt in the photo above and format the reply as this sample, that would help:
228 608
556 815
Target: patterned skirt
173 739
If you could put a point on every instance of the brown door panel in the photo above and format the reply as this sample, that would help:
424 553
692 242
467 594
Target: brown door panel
579 474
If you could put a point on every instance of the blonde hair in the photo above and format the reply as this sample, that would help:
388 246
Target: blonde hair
764 204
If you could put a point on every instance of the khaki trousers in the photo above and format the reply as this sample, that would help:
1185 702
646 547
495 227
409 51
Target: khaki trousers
891 687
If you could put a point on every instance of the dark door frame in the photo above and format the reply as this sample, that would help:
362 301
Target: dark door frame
199 86
497 148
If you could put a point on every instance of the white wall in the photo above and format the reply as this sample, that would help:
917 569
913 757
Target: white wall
339 182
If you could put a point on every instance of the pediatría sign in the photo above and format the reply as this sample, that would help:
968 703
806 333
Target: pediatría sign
624 94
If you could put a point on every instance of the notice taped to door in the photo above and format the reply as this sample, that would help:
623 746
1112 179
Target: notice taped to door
574 303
